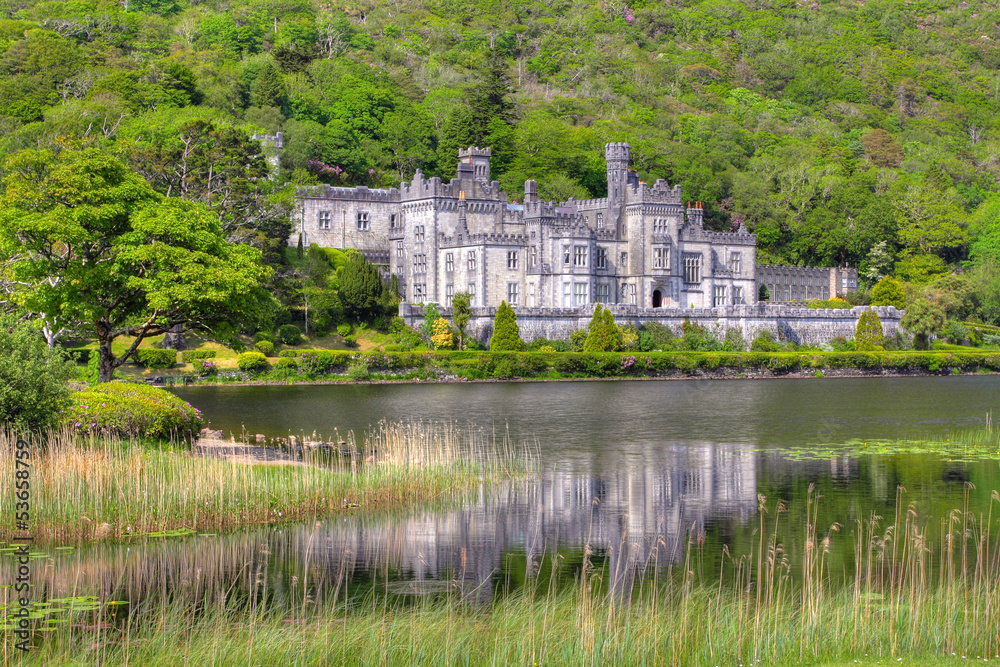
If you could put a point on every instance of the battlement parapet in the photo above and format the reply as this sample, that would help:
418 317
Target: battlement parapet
696 233
358 193
482 239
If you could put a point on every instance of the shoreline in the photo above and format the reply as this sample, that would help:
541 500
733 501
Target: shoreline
722 374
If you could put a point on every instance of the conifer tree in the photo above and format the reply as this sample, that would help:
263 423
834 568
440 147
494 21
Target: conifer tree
360 286
868 335
506 336
604 335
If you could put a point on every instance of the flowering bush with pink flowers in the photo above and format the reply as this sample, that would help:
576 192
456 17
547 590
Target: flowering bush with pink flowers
131 410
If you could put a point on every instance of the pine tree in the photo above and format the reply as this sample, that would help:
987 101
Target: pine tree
268 89
604 335
868 335
487 120
360 286
506 335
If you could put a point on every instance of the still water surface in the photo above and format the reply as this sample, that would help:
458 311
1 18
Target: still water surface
630 470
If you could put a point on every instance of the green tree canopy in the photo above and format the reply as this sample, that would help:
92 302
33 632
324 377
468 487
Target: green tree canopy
99 246
889 292
33 377
924 318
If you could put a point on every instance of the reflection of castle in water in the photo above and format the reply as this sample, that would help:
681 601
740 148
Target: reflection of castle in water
638 517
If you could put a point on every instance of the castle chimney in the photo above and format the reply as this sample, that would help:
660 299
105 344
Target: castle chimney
530 191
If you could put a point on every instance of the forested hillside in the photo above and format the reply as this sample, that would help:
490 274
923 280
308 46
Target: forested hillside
862 133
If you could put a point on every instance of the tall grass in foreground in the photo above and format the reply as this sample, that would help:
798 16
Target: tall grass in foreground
100 488
905 596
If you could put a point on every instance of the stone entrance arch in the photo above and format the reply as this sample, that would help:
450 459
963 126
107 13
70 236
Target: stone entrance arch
657 299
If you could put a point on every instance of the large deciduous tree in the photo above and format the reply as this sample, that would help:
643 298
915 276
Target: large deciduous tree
95 244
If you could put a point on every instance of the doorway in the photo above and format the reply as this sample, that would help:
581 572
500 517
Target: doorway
657 299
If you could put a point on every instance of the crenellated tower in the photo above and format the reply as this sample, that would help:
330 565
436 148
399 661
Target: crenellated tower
617 157
479 158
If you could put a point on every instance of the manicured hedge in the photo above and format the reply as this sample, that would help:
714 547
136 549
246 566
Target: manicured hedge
501 365
191 356
155 358
251 362
131 410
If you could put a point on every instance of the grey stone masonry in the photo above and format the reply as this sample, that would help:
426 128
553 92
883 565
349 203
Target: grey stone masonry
786 284
806 326
641 245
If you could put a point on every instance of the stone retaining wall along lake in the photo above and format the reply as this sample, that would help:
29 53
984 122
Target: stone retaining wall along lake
800 325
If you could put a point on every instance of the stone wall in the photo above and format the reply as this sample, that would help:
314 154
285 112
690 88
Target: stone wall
800 325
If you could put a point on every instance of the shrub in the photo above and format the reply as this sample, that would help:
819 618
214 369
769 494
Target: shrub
835 302
393 347
764 342
357 371
265 347
734 341
285 362
955 333
131 410
154 358
345 329
841 344
889 292
289 334
318 362
191 356
577 340
351 341
207 367
868 335
506 336
33 377
442 337
265 335
251 362
655 336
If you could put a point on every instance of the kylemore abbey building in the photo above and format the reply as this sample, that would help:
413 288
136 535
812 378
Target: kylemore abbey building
639 245
640 250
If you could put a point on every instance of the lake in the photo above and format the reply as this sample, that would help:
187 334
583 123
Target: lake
638 478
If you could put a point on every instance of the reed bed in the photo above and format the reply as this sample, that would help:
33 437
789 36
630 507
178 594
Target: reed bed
86 489
905 598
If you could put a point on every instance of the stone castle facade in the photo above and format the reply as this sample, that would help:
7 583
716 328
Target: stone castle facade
638 246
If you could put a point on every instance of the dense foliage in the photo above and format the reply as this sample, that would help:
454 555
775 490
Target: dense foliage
131 410
33 377
863 134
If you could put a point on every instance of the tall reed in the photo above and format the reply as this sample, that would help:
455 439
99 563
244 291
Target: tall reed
100 488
